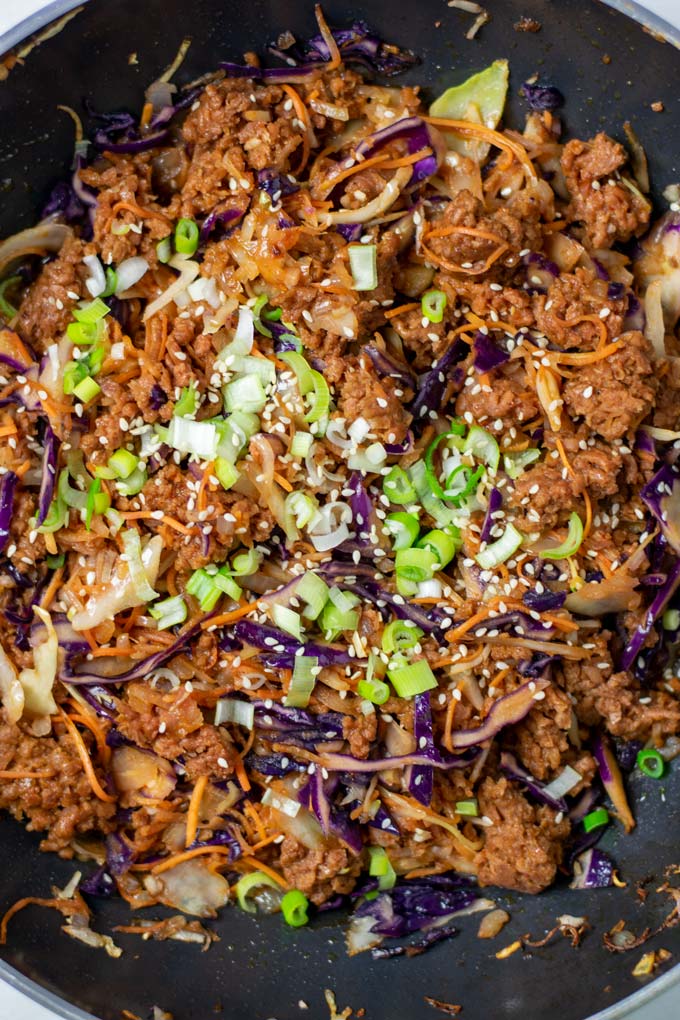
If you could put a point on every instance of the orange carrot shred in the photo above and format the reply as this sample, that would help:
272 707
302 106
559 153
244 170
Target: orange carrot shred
86 760
194 808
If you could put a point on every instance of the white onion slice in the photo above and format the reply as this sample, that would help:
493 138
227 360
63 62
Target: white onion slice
96 281
562 784
130 272
188 271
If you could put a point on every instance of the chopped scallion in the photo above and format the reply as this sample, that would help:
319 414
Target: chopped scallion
595 819
363 262
186 237
302 682
571 544
651 763
294 907
411 678
432 304
397 487
169 612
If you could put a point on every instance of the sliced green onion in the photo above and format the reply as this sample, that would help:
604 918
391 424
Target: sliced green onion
226 473
57 515
596 819
245 394
500 550
95 358
515 463
87 390
97 502
6 309
226 584
111 277
202 586
246 563
302 682
412 678
373 690
301 444
400 635
54 561
195 437
363 262
397 487
444 544
70 496
249 882
380 867
288 620
433 303
294 907
234 432
438 511
671 619
169 612
299 510
164 250
416 564
123 463
339 613
407 588
470 808
314 592
132 547
74 373
235 711
188 402
461 483
134 482
482 445
272 314
571 544
186 237
404 529
85 333
93 311
320 400
651 763
302 370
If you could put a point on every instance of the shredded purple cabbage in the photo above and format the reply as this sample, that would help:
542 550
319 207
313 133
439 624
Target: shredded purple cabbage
542 97
487 354
8 484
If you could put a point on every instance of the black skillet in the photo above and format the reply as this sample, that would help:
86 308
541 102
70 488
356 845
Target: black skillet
610 70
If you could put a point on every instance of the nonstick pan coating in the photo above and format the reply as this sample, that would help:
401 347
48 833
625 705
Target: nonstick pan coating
610 70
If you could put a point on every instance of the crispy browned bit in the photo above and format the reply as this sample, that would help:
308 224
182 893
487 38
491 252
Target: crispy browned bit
658 106
450 1008
507 951
333 1008
527 25
573 928
620 940
606 59
648 963
492 923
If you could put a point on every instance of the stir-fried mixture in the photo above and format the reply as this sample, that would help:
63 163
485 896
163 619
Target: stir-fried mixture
339 499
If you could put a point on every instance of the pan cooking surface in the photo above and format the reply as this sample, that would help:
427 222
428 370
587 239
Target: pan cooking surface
262 969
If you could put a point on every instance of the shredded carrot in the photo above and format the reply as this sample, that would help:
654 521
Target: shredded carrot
63 906
328 38
283 482
52 588
187 855
248 744
171 580
123 652
259 866
587 524
8 430
138 210
563 456
252 813
365 164
266 842
148 515
583 358
231 617
594 319
94 726
22 469
303 116
86 760
241 775
90 638
487 235
413 157
194 807
200 499
463 628
18 774
147 114
464 127
401 310
448 725
561 622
